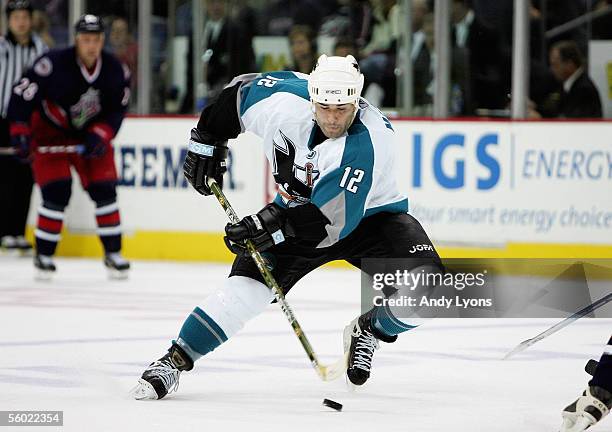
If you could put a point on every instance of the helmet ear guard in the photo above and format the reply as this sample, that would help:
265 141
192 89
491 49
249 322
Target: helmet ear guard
336 81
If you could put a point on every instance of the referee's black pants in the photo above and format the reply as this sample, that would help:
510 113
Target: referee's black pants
15 191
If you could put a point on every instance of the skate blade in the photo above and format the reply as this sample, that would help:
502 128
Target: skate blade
579 425
352 388
43 275
143 391
13 253
114 274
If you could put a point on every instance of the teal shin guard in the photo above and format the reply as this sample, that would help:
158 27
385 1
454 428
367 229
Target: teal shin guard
200 334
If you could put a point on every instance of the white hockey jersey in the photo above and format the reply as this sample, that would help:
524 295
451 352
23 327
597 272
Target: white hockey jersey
348 178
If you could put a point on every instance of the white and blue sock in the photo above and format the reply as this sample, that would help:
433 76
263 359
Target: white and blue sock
387 324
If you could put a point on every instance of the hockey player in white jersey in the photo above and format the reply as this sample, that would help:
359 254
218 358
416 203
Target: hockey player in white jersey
332 155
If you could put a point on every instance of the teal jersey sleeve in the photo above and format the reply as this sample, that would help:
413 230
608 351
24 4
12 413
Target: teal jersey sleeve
270 83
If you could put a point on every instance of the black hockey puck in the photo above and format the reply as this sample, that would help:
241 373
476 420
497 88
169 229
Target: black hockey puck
333 405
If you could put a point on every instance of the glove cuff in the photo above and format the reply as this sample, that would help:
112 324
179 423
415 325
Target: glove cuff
104 131
275 220
19 128
203 144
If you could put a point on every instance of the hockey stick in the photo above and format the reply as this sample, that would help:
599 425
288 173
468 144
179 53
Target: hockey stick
326 372
567 321
61 149
8 151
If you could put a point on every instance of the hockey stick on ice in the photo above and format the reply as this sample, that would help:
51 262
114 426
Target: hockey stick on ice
326 372
567 321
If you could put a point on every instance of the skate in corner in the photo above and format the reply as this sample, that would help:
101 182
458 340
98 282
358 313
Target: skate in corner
162 376
44 267
118 267
588 410
15 246
143 391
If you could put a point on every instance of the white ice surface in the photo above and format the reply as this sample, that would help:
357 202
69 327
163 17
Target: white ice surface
80 342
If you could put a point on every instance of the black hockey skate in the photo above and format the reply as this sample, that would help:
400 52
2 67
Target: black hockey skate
162 376
16 246
360 342
45 267
117 266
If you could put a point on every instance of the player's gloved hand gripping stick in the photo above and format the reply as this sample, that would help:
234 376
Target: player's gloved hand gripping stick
21 142
204 168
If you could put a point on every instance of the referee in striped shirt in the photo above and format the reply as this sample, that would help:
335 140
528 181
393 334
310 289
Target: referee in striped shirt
18 50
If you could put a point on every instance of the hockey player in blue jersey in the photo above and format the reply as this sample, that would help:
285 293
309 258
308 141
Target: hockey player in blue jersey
332 155
70 98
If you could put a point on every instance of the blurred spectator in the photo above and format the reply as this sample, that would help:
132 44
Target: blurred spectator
281 15
303 45
124 47
57 13
602 26
41 25
420 55
386 27
345 46
460 86
557 12
353 19
245 17
419 9
578 97
423 97
227 52
378 56
482 47
496 14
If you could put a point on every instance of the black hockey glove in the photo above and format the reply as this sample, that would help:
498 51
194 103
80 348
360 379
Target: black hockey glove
20 141
265 229
97 141
94 146
205 160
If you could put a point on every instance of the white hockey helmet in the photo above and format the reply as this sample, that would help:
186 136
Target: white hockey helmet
335 81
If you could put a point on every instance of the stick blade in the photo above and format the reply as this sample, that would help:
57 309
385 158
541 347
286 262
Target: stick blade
335 370
520 347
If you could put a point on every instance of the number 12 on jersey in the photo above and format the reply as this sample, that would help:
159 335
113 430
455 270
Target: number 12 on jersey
350 180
